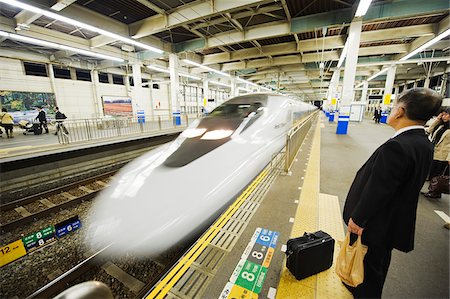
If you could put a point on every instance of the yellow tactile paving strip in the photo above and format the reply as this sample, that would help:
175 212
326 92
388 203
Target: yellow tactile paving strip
315 212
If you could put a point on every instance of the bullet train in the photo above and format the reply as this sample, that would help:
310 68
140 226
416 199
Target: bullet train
176 191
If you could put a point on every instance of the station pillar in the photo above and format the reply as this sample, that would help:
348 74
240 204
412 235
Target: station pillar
174 89
349 75
205 95
388 86
139 104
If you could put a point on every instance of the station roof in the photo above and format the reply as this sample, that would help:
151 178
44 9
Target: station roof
295 42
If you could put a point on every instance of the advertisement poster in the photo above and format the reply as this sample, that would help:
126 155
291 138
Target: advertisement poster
117 106
23 105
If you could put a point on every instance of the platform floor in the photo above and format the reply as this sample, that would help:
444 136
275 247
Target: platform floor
300 202
30 144
422 273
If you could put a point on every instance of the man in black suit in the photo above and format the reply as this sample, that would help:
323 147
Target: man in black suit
382 201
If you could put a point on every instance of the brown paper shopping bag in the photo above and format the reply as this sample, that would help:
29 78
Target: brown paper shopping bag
350 262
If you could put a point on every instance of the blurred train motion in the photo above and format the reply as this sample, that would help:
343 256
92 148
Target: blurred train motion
176 191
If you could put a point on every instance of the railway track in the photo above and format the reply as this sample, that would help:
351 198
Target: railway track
91 267
31 208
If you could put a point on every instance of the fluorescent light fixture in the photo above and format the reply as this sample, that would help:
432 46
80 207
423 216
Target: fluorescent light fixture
219 83
158 69
244 89
426 45
189 76
40 42
204 67
343 54
265 88
217 134
377 74
247 82
80 24
362 8
162 70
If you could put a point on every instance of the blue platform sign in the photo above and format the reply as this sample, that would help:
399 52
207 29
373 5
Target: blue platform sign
176 118
141 116
67 226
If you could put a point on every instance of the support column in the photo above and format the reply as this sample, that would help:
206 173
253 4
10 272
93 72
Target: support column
427 82
233 87
415 84
388 86
73 74
333 95
139 106
349 76
51 74
110 78
364 91
97 96
174 107
205 94
397 91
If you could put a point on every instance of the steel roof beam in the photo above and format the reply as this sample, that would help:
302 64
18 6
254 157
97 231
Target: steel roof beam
187 14
310 23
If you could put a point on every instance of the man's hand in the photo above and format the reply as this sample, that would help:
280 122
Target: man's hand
353 228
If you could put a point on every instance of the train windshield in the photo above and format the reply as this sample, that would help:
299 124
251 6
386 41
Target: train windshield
235 110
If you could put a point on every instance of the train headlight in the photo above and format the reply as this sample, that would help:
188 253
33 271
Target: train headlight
217 134
191 133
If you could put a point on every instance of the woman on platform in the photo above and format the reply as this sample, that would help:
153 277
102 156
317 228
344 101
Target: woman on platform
440 136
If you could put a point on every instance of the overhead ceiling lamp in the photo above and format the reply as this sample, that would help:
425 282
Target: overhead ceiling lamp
247 82
343 54
162 70
40 42
244 89
189 76
158 69
219 83
362 8
426 45
80 24
377 74
206 67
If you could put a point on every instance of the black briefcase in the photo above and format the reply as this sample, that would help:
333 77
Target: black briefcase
310 254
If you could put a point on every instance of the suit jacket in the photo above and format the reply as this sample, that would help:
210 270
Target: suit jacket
384 194
41 116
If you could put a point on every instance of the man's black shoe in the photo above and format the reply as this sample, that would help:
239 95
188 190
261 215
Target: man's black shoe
431 195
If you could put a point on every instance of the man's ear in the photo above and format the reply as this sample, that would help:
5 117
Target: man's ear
400 112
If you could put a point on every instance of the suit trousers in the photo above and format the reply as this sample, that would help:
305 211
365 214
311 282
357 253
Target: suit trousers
376 265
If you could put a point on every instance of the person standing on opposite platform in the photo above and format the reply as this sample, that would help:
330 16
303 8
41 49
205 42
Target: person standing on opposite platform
60 117
42 119
7 122
377 115
381 204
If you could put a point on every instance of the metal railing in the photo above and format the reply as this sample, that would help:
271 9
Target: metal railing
295 137
107 128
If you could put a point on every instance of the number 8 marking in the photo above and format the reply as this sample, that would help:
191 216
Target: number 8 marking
257 255
248 276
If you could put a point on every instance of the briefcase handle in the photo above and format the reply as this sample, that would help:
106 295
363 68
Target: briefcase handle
311 236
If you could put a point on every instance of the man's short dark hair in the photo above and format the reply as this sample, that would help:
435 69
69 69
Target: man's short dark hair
420 103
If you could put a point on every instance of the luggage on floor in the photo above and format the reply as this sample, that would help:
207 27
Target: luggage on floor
310 254
37 129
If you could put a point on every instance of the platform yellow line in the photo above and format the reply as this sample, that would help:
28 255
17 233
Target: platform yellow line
306 220
161 290
315 212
